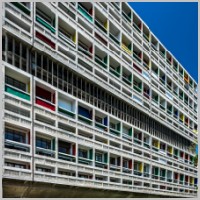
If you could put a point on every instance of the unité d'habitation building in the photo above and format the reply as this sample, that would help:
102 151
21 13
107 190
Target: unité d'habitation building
92 99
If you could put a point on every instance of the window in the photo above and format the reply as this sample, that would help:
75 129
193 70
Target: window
15 136
15 83
125 163
64 147
112 125
43 143
82 153
112 161
98 119
99 157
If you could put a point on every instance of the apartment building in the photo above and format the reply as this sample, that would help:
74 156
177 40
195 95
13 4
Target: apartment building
93 99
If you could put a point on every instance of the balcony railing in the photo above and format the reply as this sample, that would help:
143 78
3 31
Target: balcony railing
136 27
17 92
100 62
45 103
84 51
17 145
126 80
85 13
67 157
66 39
45 24
126 16
22 7
45 152
114 71
98 24
85 119
114 38
125 48
65 111
136 57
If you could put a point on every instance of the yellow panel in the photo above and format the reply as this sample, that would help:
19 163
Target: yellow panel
74 37
141 167
106 25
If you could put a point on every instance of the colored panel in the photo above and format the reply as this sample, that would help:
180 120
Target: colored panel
84 112
45 39
45 104
17 93
84 12
90 154
105 158
45 24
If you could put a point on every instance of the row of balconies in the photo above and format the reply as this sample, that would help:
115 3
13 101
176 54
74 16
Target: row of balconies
47 99
138 85
85 114
47 146
69 35
47 174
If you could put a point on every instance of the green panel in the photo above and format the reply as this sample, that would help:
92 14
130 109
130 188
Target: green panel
156 171
84 13
105 60
17 93
104 65
22 7
53 144
118 126
119 69
129 46
90 154
130 131
45 24
105 158
66 112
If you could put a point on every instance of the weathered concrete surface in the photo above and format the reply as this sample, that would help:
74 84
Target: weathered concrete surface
16 189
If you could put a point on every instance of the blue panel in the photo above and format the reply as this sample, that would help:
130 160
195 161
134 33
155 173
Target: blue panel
84 112
105 121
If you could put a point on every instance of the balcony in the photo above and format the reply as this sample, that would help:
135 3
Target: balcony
17 140
66 151
126 49
17 92
45 24
101 121
127 16
84 50
85 12
101 160
115 71
115 127
85 155
45 98
114 38
66 38
85 115
100 26
66 106
22 7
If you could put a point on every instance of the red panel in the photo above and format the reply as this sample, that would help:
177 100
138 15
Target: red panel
101 39
29 137
45 39
137 68
45 104
74 149
40 92
90 11
130 164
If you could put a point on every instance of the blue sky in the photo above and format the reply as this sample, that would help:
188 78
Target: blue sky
176 26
